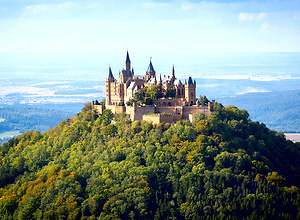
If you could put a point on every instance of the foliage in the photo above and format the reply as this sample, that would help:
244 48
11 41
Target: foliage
171 92
203 99
221 166
145 96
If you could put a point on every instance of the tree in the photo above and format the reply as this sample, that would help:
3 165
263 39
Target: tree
203 99
171 92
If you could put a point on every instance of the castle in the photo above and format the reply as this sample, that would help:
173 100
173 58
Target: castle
174 100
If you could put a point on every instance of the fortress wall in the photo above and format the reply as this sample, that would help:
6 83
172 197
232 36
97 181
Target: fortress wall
159 118
152 118
98 108
166 118
187 110
166 109
116 109
177 117
166 102
136 113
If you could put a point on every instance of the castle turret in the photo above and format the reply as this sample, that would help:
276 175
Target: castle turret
127 62
190 91
150 71
110 79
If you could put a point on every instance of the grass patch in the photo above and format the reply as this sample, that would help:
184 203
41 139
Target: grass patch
9 134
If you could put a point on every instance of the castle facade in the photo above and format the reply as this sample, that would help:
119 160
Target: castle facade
175 100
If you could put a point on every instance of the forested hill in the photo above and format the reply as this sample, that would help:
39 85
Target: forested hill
221 166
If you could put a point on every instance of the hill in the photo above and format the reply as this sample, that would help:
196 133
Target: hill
15 120
278 110
221 166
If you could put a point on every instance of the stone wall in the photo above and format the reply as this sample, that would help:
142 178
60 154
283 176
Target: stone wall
116 109
136 113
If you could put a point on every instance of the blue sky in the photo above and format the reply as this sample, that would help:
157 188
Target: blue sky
147 26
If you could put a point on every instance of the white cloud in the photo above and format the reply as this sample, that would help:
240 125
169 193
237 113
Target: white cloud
49 10
252 16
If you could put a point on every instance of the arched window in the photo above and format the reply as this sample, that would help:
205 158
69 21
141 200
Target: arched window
164 104
158 104
182 92
178 92
169 104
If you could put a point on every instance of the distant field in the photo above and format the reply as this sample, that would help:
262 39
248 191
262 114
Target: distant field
293 137
9 134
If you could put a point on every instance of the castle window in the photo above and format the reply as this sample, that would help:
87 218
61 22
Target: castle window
164 104
178 91
158 104
169 104
182 92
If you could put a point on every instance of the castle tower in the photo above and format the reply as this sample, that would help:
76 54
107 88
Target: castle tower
108 81
190 91
150 71
127 62
173 73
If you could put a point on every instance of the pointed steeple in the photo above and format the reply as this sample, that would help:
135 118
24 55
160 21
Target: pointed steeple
110 75
160 78
194 81
150 67
173 72
127 57
127 62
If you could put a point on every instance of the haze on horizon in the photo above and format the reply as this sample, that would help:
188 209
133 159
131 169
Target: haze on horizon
175 26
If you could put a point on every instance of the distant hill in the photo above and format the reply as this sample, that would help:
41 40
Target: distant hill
278 110
14 120
224 166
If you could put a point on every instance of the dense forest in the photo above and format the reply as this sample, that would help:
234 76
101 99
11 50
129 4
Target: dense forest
106 167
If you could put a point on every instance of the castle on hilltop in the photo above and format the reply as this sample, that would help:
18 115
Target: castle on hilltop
173 100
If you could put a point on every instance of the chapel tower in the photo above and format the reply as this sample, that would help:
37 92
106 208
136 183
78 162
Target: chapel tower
190 91
150 71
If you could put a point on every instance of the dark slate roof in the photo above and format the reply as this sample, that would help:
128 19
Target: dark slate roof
110 75
127 57
190 82
150 68
194 81
126 73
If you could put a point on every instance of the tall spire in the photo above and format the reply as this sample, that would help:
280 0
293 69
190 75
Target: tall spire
110 75
127 62
127 57
173 72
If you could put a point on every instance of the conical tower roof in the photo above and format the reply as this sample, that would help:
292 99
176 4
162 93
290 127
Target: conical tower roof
110 75
127 57
150 68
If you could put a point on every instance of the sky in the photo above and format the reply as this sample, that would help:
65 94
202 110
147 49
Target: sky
175 26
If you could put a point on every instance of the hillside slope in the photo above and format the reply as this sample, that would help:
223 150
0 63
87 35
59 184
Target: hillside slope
278 110
220 166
